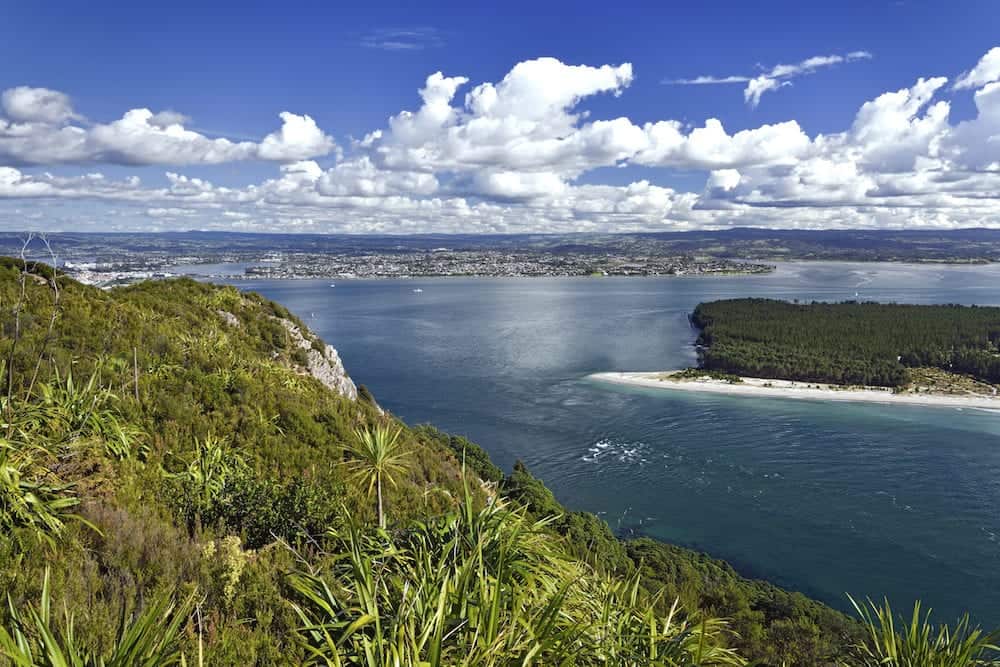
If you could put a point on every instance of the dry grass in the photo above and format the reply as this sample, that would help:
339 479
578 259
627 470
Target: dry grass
937 381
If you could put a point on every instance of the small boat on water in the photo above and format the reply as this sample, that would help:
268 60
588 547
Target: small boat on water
418 290
332 285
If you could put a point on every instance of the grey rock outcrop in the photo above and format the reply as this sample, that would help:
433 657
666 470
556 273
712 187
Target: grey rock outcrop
325 366
228 318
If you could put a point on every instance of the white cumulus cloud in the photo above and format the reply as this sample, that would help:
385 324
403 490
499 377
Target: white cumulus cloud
36 105
524 154
40 127
298 139
987 70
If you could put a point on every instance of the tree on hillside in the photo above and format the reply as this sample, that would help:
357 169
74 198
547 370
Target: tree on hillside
376 457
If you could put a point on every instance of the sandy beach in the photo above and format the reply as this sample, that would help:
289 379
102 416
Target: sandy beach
760 387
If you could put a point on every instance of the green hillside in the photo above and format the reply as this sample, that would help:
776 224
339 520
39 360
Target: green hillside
186 474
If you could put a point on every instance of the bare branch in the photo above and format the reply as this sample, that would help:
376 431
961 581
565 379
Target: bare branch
18 307
54 283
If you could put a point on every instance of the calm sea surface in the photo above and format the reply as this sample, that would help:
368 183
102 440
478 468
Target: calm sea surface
822 498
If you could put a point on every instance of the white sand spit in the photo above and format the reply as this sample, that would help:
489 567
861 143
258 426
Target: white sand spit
761 387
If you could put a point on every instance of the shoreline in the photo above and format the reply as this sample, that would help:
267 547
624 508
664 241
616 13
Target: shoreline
767 388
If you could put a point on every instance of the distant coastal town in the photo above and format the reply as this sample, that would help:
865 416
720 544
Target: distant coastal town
438 262
444 262
112 259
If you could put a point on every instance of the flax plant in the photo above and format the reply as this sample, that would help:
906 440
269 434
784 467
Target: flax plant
29 505
35 638
486 587
918 643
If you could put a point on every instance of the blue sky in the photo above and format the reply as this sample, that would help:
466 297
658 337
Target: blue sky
230 71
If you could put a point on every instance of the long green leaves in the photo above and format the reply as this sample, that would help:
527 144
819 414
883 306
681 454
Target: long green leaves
629 630
29 505
488 587
918 643
204 478
80 412
35 639
70 415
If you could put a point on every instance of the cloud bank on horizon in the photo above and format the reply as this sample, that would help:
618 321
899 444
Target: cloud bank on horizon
521 154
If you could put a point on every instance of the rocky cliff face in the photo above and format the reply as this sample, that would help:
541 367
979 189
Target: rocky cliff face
325 366
322 361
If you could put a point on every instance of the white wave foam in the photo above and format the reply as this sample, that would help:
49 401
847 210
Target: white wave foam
607 450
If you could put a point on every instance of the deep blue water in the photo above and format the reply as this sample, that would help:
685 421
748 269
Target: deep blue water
822 498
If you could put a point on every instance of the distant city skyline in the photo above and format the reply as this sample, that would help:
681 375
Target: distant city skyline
451 119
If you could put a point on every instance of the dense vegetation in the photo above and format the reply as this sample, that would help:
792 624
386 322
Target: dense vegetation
175 486
847 343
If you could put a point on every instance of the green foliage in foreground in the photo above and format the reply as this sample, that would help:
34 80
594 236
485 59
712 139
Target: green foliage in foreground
847 343
918 642
30 507
488 587
149 640
220 483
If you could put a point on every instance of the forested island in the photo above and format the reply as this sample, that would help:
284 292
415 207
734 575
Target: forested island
188 475
850 343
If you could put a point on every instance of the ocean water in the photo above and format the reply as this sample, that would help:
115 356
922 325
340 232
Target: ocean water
826 499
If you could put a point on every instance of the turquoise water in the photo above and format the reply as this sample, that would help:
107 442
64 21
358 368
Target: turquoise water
822 498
